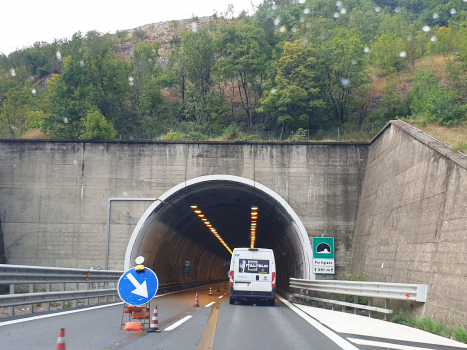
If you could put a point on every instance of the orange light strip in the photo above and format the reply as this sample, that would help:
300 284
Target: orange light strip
254 217
209 226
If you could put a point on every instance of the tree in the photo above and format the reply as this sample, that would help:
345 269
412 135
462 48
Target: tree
295 91
385 53
96 127
341 71
244 51
444 43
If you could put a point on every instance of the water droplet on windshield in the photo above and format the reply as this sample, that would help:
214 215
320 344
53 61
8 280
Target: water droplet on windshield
59 56
301 1
323 37
130 79
377 9
339 3
294 29
433 38
65 120
273 91
75 162
131 83
125 194
101 147
354 62
345 82
403 54
13 73
367 49
435 16
409 38
397 10
282 29
343 11
33 91
306 11
426 29
131 137
193 26
453 11
302 19
336 15
274 7
308 25
277 21
81 63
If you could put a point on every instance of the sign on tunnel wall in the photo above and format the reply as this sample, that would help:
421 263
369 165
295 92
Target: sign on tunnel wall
323 255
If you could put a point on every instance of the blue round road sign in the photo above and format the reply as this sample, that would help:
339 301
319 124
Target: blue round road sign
137 288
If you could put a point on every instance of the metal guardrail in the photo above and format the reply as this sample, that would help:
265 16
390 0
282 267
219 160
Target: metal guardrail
399 291
98 283
384 290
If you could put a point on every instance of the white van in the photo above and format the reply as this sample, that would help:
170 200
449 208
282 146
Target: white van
252 275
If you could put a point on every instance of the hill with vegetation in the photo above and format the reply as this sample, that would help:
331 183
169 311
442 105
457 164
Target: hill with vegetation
293 70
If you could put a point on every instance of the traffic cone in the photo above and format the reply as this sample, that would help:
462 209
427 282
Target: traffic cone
196 301
61 340
225 285
210 290
218 288
154 327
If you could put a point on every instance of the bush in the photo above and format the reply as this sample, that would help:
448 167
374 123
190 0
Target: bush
299 135
122 34
232 132
431 103
171 136
460 334
194 136
96 127
139 33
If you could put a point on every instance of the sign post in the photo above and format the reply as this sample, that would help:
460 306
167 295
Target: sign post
323 255
137 288
187 266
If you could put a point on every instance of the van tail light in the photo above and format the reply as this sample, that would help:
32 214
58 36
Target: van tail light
273 279
231 277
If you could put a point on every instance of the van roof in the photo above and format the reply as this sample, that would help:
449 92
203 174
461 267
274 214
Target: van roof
248 249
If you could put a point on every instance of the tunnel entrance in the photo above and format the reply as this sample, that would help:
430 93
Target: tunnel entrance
171 236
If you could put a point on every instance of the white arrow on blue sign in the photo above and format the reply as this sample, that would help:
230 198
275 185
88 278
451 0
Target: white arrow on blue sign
137 288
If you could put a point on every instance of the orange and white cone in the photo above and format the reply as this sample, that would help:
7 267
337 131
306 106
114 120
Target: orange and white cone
210 290
218 288
196 301
61 340
154 327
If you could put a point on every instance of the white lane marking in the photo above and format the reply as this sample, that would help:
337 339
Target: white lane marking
341 342
178 323
385 345
6 323
221 297
208 305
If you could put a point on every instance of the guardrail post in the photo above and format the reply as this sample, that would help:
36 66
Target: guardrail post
47 304
343 299
355 301
31 290
76 300
386 305
370 303
106 285
88 287
11 309
333 305
62 303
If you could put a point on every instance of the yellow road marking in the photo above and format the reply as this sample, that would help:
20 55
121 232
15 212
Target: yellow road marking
207 339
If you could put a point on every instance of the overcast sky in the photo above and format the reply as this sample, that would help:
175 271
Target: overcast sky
23 22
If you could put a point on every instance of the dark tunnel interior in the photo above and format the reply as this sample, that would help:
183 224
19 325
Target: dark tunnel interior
173 233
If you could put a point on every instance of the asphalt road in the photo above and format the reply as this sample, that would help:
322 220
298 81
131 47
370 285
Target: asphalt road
218 326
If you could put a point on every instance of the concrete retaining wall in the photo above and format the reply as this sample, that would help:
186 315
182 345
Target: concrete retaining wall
412 219
54 195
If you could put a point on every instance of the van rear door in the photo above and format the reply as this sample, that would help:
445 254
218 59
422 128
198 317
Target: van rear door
242 278
262 277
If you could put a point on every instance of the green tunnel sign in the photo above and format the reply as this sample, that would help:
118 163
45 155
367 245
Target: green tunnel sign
323 248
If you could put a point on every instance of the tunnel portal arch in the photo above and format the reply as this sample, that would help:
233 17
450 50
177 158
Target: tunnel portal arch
169 233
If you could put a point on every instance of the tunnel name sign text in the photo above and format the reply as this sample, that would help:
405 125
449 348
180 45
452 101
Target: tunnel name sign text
137 287
323 255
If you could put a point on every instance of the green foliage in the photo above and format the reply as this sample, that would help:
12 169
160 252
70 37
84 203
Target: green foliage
460 334
68 304
96 127
232 132
121 34
385 53
299 135
432 103
139 34
171 136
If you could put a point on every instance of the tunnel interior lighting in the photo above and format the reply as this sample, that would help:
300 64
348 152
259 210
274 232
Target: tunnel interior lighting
209 225
254 217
